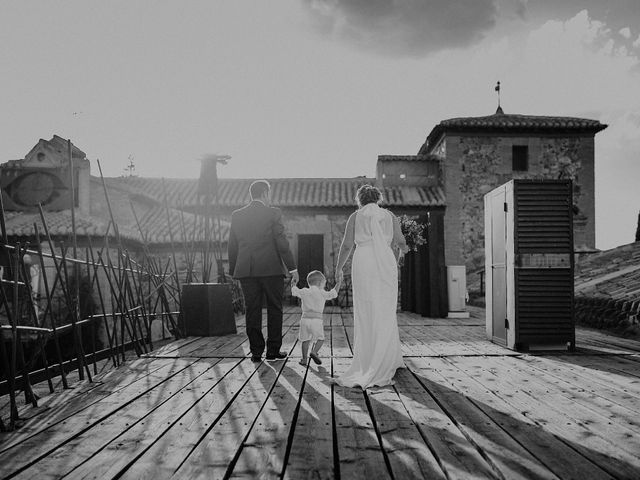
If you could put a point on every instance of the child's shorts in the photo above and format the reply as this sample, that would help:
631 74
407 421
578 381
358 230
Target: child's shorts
311 329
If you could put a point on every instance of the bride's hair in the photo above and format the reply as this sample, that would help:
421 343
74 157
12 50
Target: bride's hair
368 194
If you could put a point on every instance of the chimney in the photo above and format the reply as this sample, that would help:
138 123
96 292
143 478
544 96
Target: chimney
84 185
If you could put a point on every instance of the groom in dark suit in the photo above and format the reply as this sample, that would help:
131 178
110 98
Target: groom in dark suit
260 257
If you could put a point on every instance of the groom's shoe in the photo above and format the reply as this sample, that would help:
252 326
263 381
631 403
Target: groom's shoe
256 358
276 356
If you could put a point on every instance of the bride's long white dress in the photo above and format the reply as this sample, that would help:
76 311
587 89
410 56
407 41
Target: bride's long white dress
374 272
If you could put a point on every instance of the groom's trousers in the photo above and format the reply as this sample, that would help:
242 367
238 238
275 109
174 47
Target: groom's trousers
255 289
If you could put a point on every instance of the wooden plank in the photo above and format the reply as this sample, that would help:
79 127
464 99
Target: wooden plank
116 380
414 319
263 452
220 445
243 349
116 452
454 453
408 454
598 336
163 458
183 350
450 343
46 403
576 381
613 390
620 365
347 318
169 348
360 455
311 446
411 345
213 344
340 346
588 414
515 445
608 456
70 454
238 345
35 447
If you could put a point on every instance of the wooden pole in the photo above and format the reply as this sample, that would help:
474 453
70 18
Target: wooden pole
61 271
173 252
7 359
49 308
121 307
112 355
75 316
219 266
34 313
28 391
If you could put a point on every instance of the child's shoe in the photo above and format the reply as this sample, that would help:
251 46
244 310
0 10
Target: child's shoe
315 358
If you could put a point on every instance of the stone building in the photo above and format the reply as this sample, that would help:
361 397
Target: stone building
44 178
481 153
460 161
315 210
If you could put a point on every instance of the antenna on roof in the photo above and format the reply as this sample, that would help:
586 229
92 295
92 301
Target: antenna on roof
131 168
497 89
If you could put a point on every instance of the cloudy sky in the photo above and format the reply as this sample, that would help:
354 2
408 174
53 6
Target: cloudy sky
315 88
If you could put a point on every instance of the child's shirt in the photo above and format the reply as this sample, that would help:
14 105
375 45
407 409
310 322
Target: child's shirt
313 299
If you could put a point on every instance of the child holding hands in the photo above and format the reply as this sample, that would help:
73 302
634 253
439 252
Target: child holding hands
313 300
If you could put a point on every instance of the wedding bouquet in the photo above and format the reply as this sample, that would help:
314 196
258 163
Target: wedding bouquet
414 232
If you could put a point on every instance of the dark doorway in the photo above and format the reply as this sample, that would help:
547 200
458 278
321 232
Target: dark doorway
310 255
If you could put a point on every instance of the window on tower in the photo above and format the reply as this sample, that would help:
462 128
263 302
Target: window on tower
520 158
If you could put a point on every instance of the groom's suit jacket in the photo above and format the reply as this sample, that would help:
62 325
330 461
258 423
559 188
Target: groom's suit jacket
257 245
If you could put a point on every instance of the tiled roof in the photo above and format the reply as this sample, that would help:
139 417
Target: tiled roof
184 226
285 192
513 123
407 158
20 224
12 163
153 223
612 273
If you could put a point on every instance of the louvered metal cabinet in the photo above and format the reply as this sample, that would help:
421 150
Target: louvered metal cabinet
529 264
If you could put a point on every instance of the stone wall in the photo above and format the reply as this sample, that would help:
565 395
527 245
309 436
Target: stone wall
332 227
477 165
408 170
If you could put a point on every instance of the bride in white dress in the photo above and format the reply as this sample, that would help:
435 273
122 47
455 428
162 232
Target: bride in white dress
379 243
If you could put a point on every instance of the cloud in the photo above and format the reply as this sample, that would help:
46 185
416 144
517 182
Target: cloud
521 9
625 32
577 67
411 28
637 42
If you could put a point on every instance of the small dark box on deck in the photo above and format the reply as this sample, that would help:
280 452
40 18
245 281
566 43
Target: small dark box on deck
207 310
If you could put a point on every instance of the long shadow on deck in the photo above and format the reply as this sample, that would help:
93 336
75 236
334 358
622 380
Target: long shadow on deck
485 443
505 441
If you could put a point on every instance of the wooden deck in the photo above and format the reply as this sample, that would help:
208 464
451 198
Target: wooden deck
463 408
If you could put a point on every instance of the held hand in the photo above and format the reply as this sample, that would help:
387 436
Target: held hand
295 278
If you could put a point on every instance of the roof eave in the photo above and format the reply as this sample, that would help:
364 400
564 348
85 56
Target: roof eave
441 130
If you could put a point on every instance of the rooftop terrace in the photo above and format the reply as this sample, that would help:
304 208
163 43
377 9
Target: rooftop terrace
463 408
